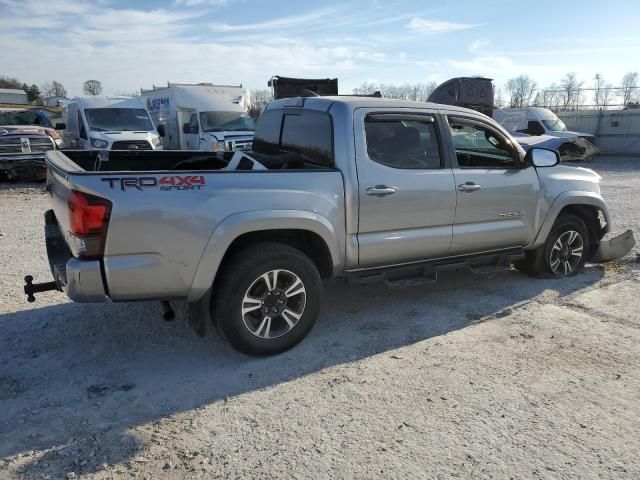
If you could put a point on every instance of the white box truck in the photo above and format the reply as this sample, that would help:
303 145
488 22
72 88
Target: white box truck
202 116
102 122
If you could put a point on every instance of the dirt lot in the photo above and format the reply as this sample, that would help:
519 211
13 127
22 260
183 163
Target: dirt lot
507 377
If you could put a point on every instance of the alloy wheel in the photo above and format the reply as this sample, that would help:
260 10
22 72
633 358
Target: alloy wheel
273 304
566 253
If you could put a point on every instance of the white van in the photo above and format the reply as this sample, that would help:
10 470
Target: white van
202 116
536 121
109 123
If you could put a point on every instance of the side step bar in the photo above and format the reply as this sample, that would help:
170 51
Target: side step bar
427 272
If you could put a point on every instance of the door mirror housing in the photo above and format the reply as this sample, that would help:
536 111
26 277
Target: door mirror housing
542 157
188 128
161 131
61 126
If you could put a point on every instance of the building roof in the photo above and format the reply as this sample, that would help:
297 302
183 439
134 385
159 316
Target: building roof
15 91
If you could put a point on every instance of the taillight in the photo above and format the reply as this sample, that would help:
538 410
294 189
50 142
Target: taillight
88 221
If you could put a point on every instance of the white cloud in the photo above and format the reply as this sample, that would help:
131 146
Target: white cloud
278 23
194 3
38 7
434 26
478 45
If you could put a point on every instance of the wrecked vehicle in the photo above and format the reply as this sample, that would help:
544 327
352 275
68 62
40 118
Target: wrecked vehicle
22 152
287 87
530 126
540 127
362 188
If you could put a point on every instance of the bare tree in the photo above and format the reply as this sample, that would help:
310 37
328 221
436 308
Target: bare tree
520 90
570 87
417 92
259 98
603 92
10 82
499 100
92 87
629 88
54 89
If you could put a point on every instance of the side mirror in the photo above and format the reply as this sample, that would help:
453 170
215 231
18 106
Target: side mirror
188 128
542 157
61 126
161 131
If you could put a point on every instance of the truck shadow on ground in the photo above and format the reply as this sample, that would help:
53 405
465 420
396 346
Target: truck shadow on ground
74 379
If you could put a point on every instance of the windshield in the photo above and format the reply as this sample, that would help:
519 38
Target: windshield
226 121
118 119
24 118
555 125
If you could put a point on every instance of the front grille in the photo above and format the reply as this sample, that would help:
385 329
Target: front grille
131 145
239 145
25 144
40 144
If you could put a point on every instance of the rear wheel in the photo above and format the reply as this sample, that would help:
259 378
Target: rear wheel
563 253
267 298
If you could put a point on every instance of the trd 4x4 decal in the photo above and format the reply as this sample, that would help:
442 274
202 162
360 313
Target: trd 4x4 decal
172 182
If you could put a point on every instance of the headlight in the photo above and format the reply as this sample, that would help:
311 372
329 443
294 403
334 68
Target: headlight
97 143
218 147
155 141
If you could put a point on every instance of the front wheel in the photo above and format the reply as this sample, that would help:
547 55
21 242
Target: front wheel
564 252
267 299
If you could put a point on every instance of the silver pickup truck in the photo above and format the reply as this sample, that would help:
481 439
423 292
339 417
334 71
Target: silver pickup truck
362 188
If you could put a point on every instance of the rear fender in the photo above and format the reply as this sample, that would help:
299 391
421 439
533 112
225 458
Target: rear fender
564 200
239 224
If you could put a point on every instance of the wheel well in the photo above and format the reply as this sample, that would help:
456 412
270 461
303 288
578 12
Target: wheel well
309 243
591 217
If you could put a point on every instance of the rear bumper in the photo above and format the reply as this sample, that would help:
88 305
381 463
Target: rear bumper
81 280
84 281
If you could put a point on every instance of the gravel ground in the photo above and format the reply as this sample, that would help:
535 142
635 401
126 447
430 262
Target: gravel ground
507 377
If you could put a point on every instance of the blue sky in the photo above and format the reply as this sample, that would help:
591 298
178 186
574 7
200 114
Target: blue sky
129 44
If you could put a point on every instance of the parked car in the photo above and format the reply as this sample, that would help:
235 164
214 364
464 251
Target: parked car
109 123
206 117
530 126
361 188
540 127
22 152
25 136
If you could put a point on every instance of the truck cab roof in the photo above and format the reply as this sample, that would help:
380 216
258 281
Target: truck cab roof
353 102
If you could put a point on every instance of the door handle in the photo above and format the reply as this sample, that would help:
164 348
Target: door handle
469 187
381 191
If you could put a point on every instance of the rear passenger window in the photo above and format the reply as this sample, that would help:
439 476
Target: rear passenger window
267 135
402 143
309 134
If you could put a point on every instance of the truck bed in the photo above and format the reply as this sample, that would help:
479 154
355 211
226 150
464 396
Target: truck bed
173 211
90 161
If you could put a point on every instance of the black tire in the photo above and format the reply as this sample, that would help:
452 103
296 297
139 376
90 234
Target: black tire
243 278
543 260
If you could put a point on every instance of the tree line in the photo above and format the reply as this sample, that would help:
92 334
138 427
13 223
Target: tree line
570 93
52 88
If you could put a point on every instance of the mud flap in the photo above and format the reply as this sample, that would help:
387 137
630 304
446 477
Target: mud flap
614 248
199 314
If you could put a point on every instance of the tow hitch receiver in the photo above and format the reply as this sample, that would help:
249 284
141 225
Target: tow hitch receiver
30 288
615 248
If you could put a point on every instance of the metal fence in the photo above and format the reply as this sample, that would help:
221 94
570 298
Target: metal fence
616 131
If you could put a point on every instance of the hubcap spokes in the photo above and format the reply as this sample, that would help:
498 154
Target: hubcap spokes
566 253
273 304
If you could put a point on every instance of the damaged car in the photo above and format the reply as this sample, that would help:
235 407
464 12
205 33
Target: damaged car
530 126
25 137
22 153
